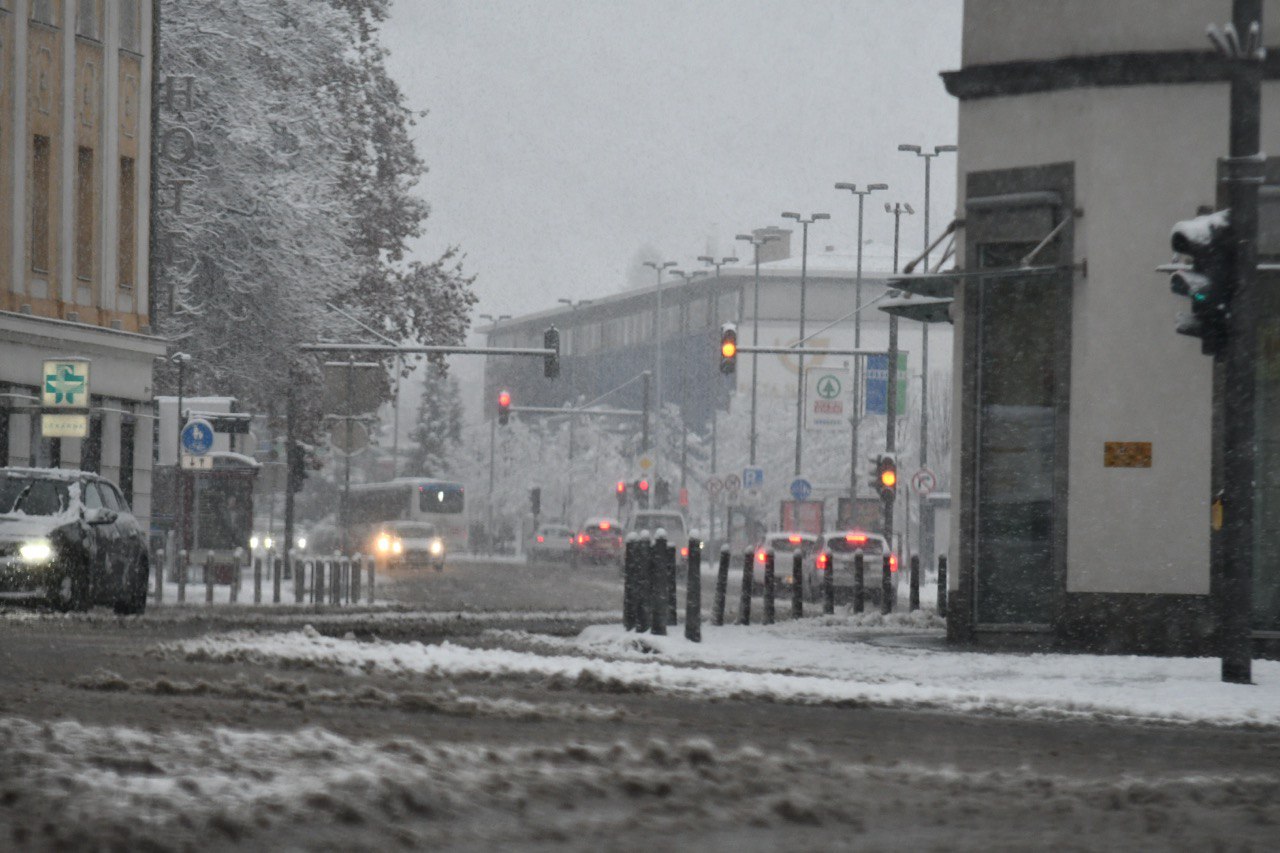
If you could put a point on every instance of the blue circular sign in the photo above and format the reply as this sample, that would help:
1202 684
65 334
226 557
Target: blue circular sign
801 489
197 437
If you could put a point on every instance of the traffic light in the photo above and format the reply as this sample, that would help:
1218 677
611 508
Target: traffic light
535 500
1208 241
728 348
661 492
504 407
886 480
642 493
621 492
551 362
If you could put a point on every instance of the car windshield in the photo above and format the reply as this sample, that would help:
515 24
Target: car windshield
416 529
847 543
33 495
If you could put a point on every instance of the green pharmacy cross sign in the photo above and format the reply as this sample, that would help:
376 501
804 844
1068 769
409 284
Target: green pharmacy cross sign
66 383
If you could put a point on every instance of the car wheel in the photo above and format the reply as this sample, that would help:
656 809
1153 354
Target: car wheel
68 589
133 592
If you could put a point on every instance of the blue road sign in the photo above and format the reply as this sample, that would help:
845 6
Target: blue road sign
801 489
752 478
876 376
197 437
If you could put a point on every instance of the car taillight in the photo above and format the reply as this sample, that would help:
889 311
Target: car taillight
760 556
684 552
893 562
824 560
856 539
794 540
539 538
583 538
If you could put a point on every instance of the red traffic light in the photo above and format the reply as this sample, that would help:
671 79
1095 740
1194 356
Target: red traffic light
622 488
504 399
644 485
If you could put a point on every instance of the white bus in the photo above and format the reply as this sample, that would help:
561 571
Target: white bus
438 502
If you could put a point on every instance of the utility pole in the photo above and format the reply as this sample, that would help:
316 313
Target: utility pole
804 273
1237 375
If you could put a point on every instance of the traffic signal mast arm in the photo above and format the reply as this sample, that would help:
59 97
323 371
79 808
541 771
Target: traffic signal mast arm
810 351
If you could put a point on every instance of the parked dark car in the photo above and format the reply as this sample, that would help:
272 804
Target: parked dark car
70 538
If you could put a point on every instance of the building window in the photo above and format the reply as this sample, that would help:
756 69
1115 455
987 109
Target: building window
91 452
89 19
130 35
41 169
84 214
127 429
45 11
128 209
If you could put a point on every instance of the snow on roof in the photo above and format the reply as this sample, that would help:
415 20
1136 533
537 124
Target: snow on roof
67 474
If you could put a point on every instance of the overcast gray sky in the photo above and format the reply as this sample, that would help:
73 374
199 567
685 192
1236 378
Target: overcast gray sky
564 135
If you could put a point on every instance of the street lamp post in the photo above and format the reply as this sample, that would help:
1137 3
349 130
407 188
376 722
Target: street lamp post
756 242
181 359
855 421
687 278
926 527
891 387
493 441
658 267
804 270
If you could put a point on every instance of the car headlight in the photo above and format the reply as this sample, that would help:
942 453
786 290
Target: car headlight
253 542
38 551
383 544
302 543
267 543
436 547
396 546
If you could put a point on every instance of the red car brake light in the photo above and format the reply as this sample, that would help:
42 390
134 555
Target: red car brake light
793 539
539 538
583 539
856 538
824 560
684 552
760 556
893 562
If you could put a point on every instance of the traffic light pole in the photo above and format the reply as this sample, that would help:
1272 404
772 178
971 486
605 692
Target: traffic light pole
1238 360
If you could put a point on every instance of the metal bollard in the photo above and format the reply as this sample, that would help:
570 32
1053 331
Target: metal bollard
797 585
722 586
159 575
234 591
277 575
658 583
629 583
299 579
886 586
915 582
670 570
942 585
357 562
768 586
829 584
744 600
859 581
208 579
183 557
642 594
693 592
373 564
257 580
317 582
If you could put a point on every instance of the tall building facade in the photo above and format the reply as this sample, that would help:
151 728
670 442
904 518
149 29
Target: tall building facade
75 77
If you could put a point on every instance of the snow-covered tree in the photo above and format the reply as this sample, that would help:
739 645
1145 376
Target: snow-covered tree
285 184
438 430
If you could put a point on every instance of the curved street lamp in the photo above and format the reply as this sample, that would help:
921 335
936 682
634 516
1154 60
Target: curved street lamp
804 269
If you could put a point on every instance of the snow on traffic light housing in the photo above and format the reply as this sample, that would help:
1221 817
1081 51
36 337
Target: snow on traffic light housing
1208 241
504 407
728 348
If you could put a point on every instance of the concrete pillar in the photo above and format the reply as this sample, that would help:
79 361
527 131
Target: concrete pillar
110 466
20 440
142 443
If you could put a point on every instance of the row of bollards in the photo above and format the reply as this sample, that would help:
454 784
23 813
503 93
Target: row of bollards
347 578
649 585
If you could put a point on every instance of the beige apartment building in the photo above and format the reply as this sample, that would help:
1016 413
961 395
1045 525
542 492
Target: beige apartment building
75 77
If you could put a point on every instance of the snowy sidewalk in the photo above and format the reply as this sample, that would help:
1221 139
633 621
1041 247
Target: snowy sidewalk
815 661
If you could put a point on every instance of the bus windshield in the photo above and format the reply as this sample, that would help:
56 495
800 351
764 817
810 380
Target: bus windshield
443 498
